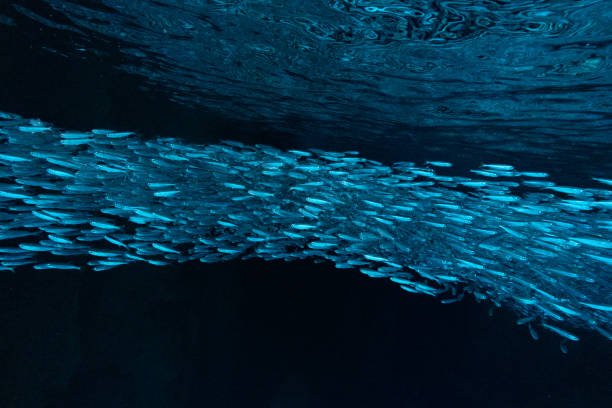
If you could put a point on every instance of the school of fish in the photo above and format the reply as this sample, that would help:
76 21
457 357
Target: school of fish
102 199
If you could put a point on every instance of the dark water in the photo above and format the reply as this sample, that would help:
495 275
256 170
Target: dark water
469 82
478 79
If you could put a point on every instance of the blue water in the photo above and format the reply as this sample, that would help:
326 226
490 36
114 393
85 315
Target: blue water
524 78
459 149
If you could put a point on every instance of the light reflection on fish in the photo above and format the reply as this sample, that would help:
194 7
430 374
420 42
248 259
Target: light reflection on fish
530 245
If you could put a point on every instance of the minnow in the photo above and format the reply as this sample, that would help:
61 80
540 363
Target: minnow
302 226
14 159
8 194
439 163
261 194
74 135
56 266
117 135
60 173
503 167
164 248
561 332
594 242
234 186
168 193
151 215
33 129
115 241
60 240
160 185
103 225
603 181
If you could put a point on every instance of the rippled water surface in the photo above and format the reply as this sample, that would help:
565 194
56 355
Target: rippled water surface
528 77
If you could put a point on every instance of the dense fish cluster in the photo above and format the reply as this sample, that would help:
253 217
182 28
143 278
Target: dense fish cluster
104 198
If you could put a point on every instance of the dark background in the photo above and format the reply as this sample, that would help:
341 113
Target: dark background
245 333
